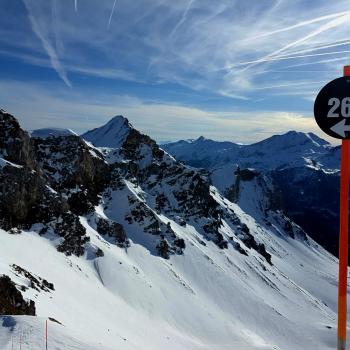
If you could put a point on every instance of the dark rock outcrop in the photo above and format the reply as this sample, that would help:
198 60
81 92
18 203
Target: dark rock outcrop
25 197
250 242
113 229
74 169
15 144
73 233
311 199
11 299
35 282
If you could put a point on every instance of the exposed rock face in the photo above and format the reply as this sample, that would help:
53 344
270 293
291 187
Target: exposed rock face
311 199
73 232
68 162
74 169
153 169
24 195
11 299
114 230
250 242
131 147
20 190
270 195
35 282
163 248
15 144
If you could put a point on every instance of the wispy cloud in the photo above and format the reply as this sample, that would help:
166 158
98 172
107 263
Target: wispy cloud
50 50
102 72
240 54
182 20
218 47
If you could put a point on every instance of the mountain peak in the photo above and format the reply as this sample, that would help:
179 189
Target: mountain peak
293 134
118 119
294 139
112 134
299 135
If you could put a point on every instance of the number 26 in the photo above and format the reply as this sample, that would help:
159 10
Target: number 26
344 107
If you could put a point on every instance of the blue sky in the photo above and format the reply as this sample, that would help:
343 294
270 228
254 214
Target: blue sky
226 69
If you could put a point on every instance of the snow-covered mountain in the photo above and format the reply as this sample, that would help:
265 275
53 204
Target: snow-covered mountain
112 134
277 152
302 168
119 245
51 132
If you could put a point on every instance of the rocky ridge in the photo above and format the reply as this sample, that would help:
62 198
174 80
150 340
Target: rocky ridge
298 173
58 184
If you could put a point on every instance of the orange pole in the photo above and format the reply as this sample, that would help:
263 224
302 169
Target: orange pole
343 237
46 331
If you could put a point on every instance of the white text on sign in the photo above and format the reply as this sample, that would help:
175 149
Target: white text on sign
344 107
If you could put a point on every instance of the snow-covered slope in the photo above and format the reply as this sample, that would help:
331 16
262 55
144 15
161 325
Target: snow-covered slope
207 299
136 251
51 132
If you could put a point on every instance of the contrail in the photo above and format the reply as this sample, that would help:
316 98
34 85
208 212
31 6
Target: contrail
183 18
318 47
293 55
300 24
76 5
112 12
287 57
339 59
178 25
55 62
288 85
329 25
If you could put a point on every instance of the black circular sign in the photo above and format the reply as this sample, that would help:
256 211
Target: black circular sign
332 108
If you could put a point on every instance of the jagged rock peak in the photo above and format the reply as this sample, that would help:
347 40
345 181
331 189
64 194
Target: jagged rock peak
112 134
15 143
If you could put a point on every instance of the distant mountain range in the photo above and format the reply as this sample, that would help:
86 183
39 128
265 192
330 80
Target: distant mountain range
292 149
302 169
120 246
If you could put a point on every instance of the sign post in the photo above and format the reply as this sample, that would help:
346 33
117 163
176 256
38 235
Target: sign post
332 112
